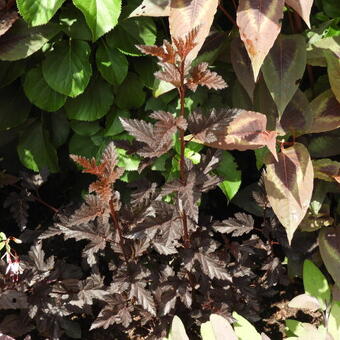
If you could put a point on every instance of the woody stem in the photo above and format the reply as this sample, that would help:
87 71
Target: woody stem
181 91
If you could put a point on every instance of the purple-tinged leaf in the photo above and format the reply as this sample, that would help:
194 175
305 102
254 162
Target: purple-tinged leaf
188 14
333 70
259 22
13 299
7 19
143 297
297 117
284 67
212 267
242 66
326 113
327 170
289 185
105 318
37 254
302 7
329 243
241 224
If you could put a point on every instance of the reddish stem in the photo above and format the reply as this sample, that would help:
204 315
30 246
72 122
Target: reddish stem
181 91
230 18
116 225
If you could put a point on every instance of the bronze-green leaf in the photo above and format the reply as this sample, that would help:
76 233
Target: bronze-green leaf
302 7
289 185
326 112
284 67
327 170
259 22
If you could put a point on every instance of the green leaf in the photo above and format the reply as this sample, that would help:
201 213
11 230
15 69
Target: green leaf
101 15
146 67
128 162
333 325
315 283
284 67
14 107
217 328
67 68
132 32
260 155
60 128
10 71
93 104
228 170
74 24
85 128
112 64
21 41
35 150
38 12
113 125
324 146
39 93
82 146
130 94
331 8
244 329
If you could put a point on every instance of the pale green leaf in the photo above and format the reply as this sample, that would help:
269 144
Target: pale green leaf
101 15
244 329
38 12
333 325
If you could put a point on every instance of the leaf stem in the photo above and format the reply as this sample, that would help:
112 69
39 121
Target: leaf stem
181 91
116 225
225 12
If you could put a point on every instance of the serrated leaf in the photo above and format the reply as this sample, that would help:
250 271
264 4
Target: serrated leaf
244 329
93 104
212 268
289 185
101 15
15 107
39 93
143 297
315 283
305 301
259 22
35 150
112 64
242 66
132 32
21 41
284 67
91 288
186 15
329 243
106 318
241 224
325 110
67 68
302 7
151 8
38 12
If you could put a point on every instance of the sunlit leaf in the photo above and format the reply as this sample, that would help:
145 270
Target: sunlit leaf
284 67
244 329
315 283
177 330
259 22
152 8
333 70
289 185
188 14
38 12
101 15
302 7
305 301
